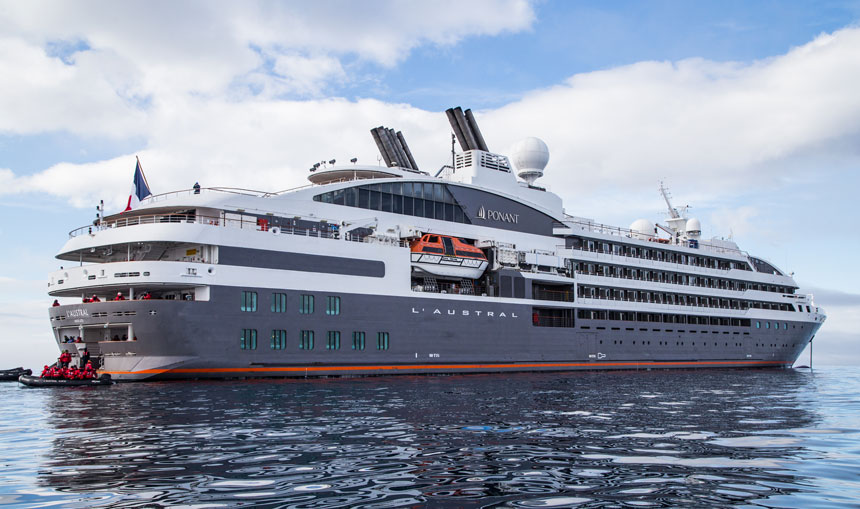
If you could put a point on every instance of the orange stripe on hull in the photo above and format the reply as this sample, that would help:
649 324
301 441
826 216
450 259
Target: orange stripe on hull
436 367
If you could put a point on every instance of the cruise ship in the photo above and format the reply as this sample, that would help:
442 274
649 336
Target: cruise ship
386 269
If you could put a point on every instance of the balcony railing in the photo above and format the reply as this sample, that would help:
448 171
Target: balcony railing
123 222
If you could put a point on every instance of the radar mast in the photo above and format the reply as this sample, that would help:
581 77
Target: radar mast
677 222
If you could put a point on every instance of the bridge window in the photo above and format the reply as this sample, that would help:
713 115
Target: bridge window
433 201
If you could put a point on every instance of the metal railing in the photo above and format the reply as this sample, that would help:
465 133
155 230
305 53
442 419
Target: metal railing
123 222
203 190
553 295
617 231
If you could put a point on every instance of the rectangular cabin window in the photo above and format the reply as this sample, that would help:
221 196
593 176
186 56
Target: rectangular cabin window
307 340
307 307
358 340
248 340
332 340
249 301
332 305
382 341
279 339
279 302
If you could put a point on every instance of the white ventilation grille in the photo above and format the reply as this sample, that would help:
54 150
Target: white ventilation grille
485 160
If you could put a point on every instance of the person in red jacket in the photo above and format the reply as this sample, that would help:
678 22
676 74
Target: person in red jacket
64 359
89 370
45 371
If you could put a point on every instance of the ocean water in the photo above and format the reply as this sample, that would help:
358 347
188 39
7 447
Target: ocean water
704 438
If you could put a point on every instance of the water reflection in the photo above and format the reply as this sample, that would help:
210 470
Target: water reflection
534 440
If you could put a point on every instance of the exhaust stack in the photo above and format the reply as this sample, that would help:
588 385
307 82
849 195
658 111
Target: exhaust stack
392 145
466 129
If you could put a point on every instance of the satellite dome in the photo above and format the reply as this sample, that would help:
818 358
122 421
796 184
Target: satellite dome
694 227
642 226
642 229
530 157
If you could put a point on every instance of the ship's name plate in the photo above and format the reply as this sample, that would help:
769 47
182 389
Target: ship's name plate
77 313
485 214
464 312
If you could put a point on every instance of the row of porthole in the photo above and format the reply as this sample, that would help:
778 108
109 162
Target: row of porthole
681 343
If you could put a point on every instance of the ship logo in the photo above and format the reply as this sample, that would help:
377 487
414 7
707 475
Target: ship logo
495 215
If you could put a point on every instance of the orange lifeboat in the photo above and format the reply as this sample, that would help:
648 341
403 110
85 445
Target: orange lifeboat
446 256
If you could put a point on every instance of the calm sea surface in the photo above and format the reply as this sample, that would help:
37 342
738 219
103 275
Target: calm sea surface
761 438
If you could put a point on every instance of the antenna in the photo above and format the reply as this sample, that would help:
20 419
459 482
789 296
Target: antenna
673 212
453 157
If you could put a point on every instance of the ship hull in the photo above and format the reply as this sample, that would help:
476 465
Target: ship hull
430 334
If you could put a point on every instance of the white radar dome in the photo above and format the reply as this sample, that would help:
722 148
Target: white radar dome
694 227
530 157
642 228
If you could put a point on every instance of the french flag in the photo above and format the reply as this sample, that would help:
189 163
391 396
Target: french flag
139 189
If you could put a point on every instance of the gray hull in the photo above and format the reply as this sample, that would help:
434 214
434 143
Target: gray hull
185 339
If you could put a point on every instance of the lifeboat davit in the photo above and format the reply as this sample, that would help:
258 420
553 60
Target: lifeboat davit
448 257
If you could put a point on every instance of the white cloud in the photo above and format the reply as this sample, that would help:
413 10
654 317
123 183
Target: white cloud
135 55
729 125
707 127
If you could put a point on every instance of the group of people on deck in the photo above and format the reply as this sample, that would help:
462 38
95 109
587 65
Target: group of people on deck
119 296
61 369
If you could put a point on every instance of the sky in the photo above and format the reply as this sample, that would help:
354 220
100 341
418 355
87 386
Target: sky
748 110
